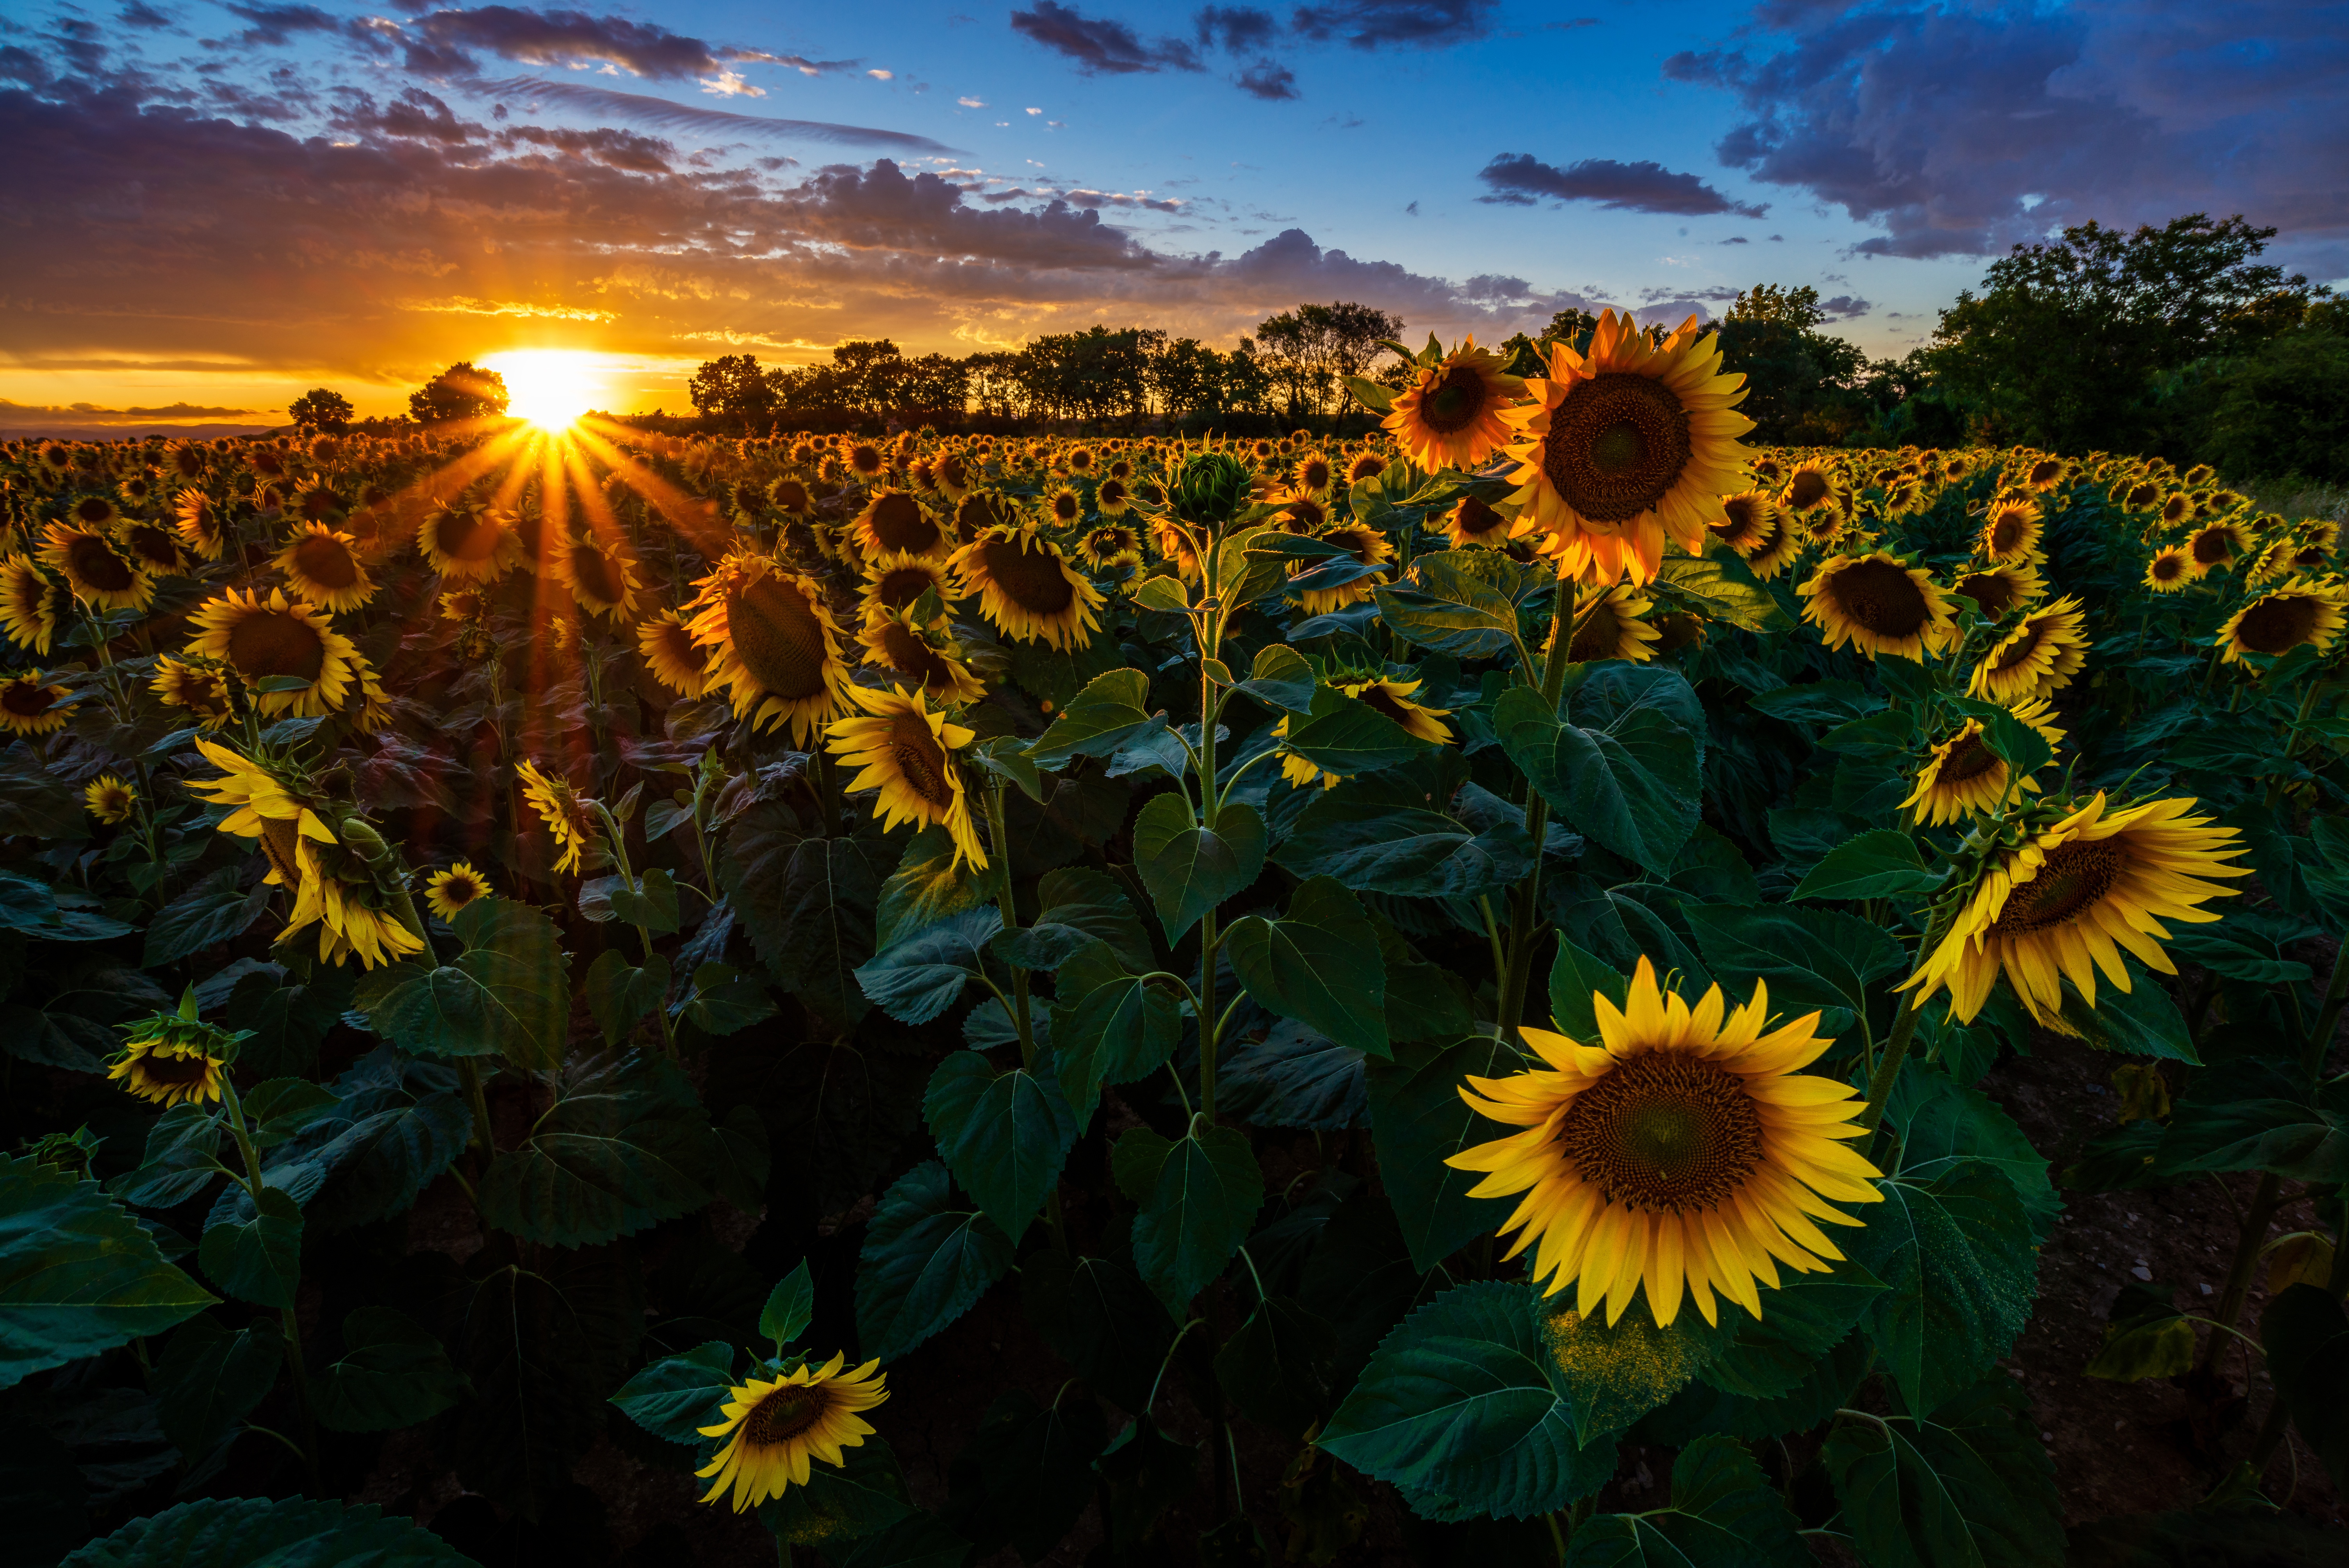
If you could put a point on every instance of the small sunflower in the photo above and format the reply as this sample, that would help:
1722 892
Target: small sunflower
669 652
1112 499
866 459
322 565
1813 485
1748 523
2063 904
96 513
1300 510
599 572
173 1060
894 581
31 601
895 523
774 1426
30 706
260 638
1613 628
1365 466
774 646
907 752
1999 591
447 892
951 475
791 497
2276 623
1064 508
2215 545
1684 1151
1107 546
1026 589
1472 525
2039 657
1387 695
1450 416
1172 542
1878 606
153 548
1368 547
898 644
95 569
201 691
1964 776
110 800
201 523
2170 569
469 541
559 806
2010 530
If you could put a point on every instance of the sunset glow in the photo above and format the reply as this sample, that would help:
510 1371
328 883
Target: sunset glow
550 387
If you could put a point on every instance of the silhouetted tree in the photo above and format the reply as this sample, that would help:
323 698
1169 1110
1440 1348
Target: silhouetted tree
323 410
731 384
463 391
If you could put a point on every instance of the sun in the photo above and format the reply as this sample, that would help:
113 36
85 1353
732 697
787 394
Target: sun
550 387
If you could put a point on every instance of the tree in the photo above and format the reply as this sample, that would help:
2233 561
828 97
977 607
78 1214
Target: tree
731 384
2282 412
463 391
1310 349
861 370
322 409
1802 387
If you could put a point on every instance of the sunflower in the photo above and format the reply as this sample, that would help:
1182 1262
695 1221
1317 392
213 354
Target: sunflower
907 752
173 1060
95 569
1028 590
1813 485
316 500
894 581
951 475
774 646
110 800
791 496
1611 628
668 646
2010 530
1748 523
153 548
599 574
1365 466
278 810
1298 510
1064 508
2042 474
559 806
1878 606
1112 499
1315 473
447 892
322 565
29 706
1107 546
1387 695
897 644
1472 525
202 526
1368 546
1450 417
469 541
30 602
95 512
1173 542
201 691
895 523
2215 545
2039 657
1627 443
1999 591
260 638
2276 623
1964 776
866 459
2066 900
1683 1151
979 512
773 1426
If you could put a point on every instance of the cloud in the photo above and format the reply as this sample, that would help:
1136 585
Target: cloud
669 115
563 38
1520 179
607 145
799 62
1098 43
1843 307
1238 28
416 115
1268 79
92 414
276 25
1376 23
971 102
140 15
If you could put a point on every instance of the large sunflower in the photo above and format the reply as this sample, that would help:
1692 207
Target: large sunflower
907 752
1999 591
1964 776
2010 530
2217 544
774 646
1682 1151
469 542
774 1426
896 642
259 638
1450 417
2063 904
152 547
1390 696
1878 606
1627 443
894 523
1612 628
2277 623
30 706
322 564
95 569
2039 657
1368 547
1028 589
30 602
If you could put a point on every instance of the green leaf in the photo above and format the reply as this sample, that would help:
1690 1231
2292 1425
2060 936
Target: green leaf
182 1150
1880 863
1372 845
1080 905
652 904
922 973
1575 977
251 1532
1294 1077
1417 1122
626 1146
1199 1208
1370 394
505 994
1276 1366
2306 1336
676 1396
208 1379
858 1497
281 1107
1458 1403
1121 1030
725 1002
392 1374
212 911
1725 1514
1811 957
285 1022
618 993
2141 1021
1968 1485
1164 592
789 1308
407 1132
1943 1121
1346 736
1813 1314
2145 1336
926 1261
2255 1117
260 1259
1956 1257
1099 1317
1632 785
1720 587
1004 1135
1319 964
1826 1385
1456 602
1110 713
1282 679
808 903
1188 870
1611 1374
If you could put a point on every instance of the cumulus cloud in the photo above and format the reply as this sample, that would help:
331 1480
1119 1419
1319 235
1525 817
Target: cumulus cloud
1844 307
661 112
416 115
1520 179
1099 45
1238 28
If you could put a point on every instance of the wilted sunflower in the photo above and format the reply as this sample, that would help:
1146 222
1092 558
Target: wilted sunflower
1387 695
322 564
2010 530
1472 525
2039 657
895 523
774 646
1028 590
2214 546
201 692
2065 902
1999 591
448 891
2276 623
95 569
896 642
1450 417
1879 606
1110 546
468 541
1612 628
774 1426
260 638
2170 569
894 581
559 806
669 652
1368 547
1682 1151
173 1060
30 706
30 602
110 798
599 571
907 752
1964 776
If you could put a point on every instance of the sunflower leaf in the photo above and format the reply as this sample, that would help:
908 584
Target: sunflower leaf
1276 1366
393 1373
858 1497
291 1533
808 903
921 975
1970 1483
1320 963
927 1259
1120 1028
1417 1121
1347 736
626 1146
208 1379
651 903
259 1259
1003 1134
1281 678
1099 1317
676 1396
1198 1209
1188 869
1631 785
1725 1514
506 993
1955 1254
1810 957
791 1308
1880 863
619 994
1112 712
1374 846
1454 602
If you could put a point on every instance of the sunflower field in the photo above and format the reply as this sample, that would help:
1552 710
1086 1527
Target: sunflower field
1417 999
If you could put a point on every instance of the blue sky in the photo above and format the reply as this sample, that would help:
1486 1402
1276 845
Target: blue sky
221 204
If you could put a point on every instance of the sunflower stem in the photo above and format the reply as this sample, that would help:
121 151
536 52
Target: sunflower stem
289 1318
1525 903
2265 1200
1896 1045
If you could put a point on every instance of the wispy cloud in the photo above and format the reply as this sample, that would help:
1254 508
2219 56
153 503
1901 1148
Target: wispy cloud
645 109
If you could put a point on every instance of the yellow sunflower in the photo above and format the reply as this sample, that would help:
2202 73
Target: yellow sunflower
1168 538
278 811
774 1426
2010 530
2214 546
1368 547
773 646
2277 623
152 547
951 475
791 497
1878 606
669 652
30 602
1389 697
559 806
1300 511
894 523
1450 416
2039 657
907 752
201 523
1999 591
95 569
1112 499
1684 1151
894 581
1749 523
1028 590
95 513
469 541
1613 628
1472 525
322 565
897 644
1110 546
1064 508
447 892
172 1061
1964 776
1813 485
260 638
599 571
30 706
1627 443
2170 569
2063 904
110 800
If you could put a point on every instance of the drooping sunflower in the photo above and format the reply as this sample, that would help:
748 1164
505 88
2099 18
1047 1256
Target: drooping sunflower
896 642
448 891
469 541
1450 417
772 644
30 706
2010 530
1964 776
322 565
1028 590
278 811
906 751
110 798
1613 628
2276 623
670 653
201 691
559 806
2039 657
259 638
1390 696
2065 902
95 569
1368 547
1878 606
1683 1153
1627 443
1174 542
2170 569
894 581
1107 546
599 572
173 1060
895 523
31 601
1472 525
774 1426
1999 591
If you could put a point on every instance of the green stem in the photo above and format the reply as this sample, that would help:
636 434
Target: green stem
289 1317
1524 903
644 936
2265 1202
1896 1047
2317 1045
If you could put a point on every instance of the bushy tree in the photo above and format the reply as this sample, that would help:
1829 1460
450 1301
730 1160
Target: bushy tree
2282 410
731 384
1802 386
322 409
463 391
1311 349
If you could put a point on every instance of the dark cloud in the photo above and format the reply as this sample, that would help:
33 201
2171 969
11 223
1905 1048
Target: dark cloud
23 66
1962 130
1268 78
1843 307
566 38
1098 43
415 114
1376 23
140 15
1520 179
885 209
669 115
276 25
1238 28
613 148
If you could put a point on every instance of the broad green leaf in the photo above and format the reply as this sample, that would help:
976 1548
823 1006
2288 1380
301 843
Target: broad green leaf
1942 1121
1882 863
1370 394
2252 1116
1611 1374
1004 1135
725 1002
1110 713
1807 1317
392 1373
789 1308
651 903
808 903
1162 593
1956 1257
379 1163
676 1396
290 1532
1093 906
1575 978
182 1159
1725 1514
1417 1122
1276 1366
1294 1077
212 911
2141 1021
1027 1473
2306 1336
259 1259
1374 846
1319 964
618 993
285 1021
1099 1317
1826 1385
921 975
1811 957
1198 1209
626 1146
1632 785
927 1260
280 1109
1282 679
858 1497
1346 736
505 995
208 1378
932 881
1449 604
1120 1028
1720 587
1969 1485
1189 870
2145 1336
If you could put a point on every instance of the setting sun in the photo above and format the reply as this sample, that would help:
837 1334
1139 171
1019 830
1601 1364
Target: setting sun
550 387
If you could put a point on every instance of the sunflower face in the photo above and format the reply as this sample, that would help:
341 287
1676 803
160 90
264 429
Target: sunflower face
468 543
93 511
2011 533
110 800
29 603
1612 629
1748 523
559 806
775 1428
598 576
201 691
1450 419
2039 657
448 891
1997 591
260 638
1472 525
897 646
669 652
895 523
30 706
2170 569
1963 777
906 751
1064 507
168 1071
1028 591
322 564
95 571
776 646
1878 606
2276 623
1368 547
1110 546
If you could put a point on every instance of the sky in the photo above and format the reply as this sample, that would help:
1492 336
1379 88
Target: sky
212 206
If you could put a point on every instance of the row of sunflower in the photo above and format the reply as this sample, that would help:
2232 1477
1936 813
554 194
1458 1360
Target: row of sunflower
540 890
